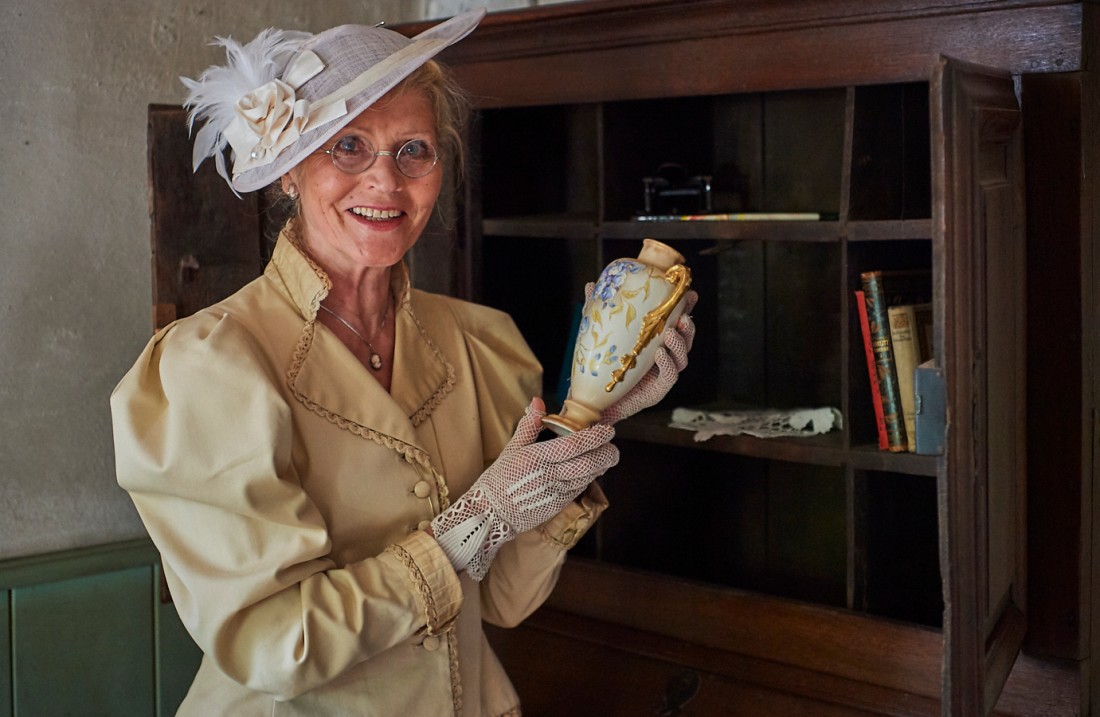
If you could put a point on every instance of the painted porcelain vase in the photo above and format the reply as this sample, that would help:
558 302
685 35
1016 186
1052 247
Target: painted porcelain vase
620 328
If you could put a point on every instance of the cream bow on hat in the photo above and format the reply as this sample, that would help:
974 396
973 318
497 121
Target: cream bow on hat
285 94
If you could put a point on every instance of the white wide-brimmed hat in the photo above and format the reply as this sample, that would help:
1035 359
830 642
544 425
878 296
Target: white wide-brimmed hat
285 94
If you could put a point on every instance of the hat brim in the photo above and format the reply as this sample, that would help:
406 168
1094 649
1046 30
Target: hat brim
419 50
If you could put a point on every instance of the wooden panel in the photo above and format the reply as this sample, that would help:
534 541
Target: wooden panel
6 705
80 562
1090 299
807 529
1058 446
978 220
647 676
771 639
822 655
193 215
84 646
828 43
178 656
902 548
803 357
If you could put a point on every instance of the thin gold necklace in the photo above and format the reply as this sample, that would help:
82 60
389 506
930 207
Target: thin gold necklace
375 359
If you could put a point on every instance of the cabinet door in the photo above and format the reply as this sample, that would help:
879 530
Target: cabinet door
979 250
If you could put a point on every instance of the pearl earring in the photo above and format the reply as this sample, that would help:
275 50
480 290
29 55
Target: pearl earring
292 192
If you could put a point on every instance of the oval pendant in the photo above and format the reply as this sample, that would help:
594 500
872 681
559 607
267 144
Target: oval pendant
375 361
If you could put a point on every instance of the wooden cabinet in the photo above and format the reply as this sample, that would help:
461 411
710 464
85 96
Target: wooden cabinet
788 576
819 569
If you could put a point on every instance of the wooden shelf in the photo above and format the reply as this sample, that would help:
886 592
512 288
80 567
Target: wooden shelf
827 449
562 226
871 458
889 230
580 227
820 231
652 427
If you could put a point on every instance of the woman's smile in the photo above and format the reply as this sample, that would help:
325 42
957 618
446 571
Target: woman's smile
369 219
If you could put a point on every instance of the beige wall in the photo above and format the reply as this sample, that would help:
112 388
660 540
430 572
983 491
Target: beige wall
74 240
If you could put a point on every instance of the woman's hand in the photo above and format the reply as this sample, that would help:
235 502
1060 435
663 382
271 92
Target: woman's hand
528 484
671 359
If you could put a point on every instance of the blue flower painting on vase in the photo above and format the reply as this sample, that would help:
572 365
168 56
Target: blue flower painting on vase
612 296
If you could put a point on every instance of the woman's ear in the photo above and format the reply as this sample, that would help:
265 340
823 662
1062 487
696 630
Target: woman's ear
289 187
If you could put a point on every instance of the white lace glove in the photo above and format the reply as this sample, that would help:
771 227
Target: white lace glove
672 358
528 484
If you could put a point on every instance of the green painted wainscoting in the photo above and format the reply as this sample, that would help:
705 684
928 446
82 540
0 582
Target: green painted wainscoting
86 633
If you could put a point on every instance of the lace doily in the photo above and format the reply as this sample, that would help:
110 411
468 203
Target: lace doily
761 423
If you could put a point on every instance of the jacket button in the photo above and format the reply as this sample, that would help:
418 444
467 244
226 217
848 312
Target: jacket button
431 643
422 489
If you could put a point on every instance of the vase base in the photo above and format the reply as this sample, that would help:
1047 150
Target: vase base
574 416
561 425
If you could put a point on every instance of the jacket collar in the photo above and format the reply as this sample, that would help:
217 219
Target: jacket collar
326 376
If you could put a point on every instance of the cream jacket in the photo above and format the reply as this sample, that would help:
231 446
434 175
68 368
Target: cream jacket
288 492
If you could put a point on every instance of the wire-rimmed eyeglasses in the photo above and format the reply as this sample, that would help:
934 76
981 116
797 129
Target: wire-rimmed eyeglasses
353 154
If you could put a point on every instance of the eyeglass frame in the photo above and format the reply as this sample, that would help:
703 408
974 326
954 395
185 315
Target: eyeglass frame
386 153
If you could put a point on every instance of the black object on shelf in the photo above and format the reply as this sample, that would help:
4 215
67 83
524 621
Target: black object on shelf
671 190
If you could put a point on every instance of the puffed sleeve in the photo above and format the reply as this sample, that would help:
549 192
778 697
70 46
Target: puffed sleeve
203 440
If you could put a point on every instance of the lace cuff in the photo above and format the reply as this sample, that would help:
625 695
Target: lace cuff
470 534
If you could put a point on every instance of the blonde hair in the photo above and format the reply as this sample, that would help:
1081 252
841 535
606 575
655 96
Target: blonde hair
451 104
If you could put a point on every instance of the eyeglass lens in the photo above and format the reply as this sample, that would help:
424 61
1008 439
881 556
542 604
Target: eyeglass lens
354 154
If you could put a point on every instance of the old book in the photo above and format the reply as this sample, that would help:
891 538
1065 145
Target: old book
931 411
874 298
925 331
876 399
906 348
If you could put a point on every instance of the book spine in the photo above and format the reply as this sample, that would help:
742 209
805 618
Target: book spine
875 301
868 347
903 339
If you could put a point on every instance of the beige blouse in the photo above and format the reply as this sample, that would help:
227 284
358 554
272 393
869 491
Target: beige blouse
288 493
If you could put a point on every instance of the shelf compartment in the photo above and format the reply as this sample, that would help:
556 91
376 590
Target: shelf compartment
773 526
780 151
539 160
769 323
891 163
900 543
908 280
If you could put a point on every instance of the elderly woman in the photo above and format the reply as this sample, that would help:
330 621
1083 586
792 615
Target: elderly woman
329 461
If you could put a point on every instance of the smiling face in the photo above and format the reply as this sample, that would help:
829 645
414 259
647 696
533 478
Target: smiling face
354 222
